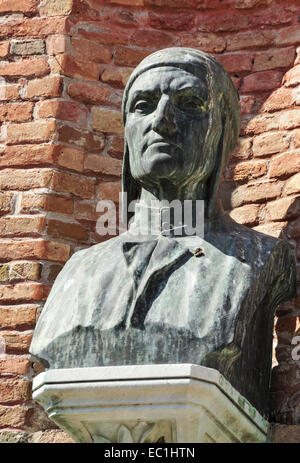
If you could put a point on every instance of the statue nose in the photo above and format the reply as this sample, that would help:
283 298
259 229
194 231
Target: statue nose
164 120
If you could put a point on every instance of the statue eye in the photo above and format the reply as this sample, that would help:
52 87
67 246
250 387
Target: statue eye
143 106
192 104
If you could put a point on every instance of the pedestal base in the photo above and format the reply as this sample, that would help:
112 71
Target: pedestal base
180 403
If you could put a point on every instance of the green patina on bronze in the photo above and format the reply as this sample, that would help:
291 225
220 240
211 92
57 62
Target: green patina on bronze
144 298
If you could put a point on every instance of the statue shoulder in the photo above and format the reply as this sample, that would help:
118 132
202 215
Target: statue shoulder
95 251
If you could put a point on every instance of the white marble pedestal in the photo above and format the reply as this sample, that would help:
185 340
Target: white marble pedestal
181 403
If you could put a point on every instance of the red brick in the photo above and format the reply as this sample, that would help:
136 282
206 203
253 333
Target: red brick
283 209
89 93
281 120
63 110
86 211
175 21
236 62
287 324
28 47
296 96
25 271
22 6
229 21
294 228
5 202
248 170
279 99
107 120
56 44
116 147
210 43
251 3
248 104
16 112
73 67
289 119
12 390
87 140
270 143
30 67
71 158
80 186
24 292
46 202
296 138
27 155
14 179
202 4
246 215
287 36
46 87
286 434
285 164
33 27
53 272
128 2
21 226
261 81
292 77
243 149
60 229
16 342
12 416
150 38
91 51
50 436
55 7
9 92
272 59
249 39
125 56
4 49
116 76
103 165
109 190
31 132
107 37
274 229
11 249
293 185
255 192
14 365
4 273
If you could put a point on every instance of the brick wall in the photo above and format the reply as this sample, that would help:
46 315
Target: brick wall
64 66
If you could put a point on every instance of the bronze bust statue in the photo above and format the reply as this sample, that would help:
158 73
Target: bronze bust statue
145 296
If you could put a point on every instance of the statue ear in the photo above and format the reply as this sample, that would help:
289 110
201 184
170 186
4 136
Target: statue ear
129 186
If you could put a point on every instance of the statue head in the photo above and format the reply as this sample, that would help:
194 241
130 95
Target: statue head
181 119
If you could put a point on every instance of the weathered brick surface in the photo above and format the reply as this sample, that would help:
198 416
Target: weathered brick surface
64 66
18 317
46 87
31 132
28 47
34 67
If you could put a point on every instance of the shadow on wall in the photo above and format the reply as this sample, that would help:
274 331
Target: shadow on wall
261 189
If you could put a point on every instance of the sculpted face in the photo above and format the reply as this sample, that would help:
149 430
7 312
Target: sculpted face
169 127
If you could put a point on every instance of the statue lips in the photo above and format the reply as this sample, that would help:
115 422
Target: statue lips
161 145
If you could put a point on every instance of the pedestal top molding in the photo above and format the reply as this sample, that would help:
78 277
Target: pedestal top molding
183 402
